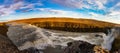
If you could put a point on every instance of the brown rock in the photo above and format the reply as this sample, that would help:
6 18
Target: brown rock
99 49
118 51
6 46
83 47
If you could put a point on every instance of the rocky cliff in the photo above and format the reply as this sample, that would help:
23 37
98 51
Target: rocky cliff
67 24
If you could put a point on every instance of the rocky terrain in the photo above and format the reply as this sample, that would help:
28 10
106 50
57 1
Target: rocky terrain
62 24
83 47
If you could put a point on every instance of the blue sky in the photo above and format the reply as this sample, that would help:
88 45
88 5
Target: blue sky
105 10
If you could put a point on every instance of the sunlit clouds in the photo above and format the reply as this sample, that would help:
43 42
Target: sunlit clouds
105 10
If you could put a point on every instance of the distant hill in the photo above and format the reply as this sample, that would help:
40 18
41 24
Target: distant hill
77 22
65 24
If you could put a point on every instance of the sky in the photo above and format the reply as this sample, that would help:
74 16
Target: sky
104 10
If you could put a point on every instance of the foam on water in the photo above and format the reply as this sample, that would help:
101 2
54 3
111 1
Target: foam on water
108 40
25 36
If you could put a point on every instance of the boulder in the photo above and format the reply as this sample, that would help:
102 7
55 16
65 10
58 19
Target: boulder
83 47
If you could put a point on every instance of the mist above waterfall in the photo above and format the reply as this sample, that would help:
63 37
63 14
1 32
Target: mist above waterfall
26 36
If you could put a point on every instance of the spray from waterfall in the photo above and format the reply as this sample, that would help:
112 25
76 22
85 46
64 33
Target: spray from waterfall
108 39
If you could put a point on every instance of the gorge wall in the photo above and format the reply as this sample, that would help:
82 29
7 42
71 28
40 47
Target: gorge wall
27 32
111 31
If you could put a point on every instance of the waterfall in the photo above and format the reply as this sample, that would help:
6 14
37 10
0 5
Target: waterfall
108 39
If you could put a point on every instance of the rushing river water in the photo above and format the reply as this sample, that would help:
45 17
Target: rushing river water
26 36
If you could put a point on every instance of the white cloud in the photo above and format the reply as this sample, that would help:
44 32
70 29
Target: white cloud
114 18
11 9
115 7
114 11
118 4
60 13
98 4
54 11
93 14
16 5
113 14
49 12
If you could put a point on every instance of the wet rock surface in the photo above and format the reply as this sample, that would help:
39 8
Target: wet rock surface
83 47
6 46
117 51
116 45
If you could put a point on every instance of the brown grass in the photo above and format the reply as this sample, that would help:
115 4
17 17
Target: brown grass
52 21
66 24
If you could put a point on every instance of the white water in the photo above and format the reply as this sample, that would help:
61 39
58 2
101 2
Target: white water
108 40
22 36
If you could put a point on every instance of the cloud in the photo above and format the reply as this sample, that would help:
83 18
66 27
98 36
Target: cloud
112 14
17 5
114 11
94 14
112 17
61 13
115 7
49 12
11 9
91 4
54 11
17 0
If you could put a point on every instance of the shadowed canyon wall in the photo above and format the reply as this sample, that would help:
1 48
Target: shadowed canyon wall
64 25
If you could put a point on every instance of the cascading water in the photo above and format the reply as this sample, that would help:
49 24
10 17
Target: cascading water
108 39
26 36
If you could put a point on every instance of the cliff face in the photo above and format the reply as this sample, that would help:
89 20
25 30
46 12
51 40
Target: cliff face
72 25
6 46
116 43
3 29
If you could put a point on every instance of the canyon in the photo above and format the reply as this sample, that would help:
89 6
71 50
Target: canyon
60 31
